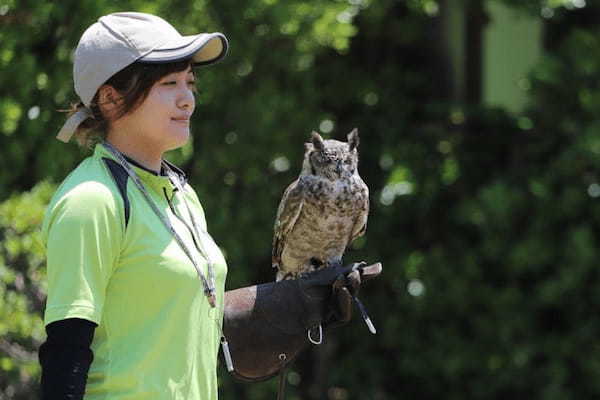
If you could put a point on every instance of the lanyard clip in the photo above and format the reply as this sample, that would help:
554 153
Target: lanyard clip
212 300
226 354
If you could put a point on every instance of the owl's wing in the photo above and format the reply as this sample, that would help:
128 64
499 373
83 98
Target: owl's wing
360 224
287 215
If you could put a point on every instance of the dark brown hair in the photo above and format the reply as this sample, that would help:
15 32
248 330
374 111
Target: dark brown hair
133 84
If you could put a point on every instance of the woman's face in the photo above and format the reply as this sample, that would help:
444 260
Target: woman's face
162 122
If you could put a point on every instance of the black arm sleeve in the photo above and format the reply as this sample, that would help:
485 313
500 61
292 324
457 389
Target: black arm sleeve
65 358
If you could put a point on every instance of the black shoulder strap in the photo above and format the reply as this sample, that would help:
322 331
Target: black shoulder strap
120 177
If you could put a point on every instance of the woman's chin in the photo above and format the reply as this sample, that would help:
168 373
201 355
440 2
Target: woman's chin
179 139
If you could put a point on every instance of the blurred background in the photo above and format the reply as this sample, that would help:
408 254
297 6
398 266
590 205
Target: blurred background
480 142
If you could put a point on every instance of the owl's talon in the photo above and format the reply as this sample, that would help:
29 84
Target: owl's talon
317 264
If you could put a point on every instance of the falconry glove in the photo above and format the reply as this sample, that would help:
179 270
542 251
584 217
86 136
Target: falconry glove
266 325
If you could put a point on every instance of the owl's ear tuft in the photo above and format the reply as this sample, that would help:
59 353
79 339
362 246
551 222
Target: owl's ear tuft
317 141
353 139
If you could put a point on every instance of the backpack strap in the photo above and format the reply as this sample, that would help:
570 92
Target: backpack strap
120 177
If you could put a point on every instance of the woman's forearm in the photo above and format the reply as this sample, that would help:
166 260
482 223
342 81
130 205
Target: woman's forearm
65 358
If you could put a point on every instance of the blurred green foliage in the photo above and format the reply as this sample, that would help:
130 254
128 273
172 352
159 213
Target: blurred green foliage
485 221
22 290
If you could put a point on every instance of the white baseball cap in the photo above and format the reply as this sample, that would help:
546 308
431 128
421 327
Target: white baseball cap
120 39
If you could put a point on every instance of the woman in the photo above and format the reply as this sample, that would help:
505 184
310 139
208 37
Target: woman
135 282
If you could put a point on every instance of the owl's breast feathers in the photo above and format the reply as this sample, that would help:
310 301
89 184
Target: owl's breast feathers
318 218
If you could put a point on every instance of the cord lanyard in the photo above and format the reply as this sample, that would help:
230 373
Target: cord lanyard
209 285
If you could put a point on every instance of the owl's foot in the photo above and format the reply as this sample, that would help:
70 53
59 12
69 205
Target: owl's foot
313 265
317 264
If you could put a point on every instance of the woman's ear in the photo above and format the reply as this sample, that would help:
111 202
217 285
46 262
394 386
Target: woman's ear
107 101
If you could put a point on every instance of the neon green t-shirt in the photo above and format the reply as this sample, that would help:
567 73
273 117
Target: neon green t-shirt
157 336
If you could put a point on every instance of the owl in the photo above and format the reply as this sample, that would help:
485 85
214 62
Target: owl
322 211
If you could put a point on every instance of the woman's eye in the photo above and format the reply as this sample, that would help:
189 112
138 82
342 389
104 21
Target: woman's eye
169 83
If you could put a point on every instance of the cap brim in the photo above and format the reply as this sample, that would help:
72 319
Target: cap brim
204 48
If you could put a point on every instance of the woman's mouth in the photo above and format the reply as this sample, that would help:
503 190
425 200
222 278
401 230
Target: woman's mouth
183 121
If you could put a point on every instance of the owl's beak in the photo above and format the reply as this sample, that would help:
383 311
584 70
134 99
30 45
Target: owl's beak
338 167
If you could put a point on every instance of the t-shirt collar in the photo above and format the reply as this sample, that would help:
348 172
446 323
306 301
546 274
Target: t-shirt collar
149 177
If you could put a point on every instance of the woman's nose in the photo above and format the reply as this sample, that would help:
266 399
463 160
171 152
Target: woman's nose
186 99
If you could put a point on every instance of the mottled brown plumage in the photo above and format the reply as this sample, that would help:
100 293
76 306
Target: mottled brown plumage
323 211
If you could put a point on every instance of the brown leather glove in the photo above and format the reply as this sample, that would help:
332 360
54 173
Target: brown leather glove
266 325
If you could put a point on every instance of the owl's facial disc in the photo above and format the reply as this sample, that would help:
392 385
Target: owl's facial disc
335 160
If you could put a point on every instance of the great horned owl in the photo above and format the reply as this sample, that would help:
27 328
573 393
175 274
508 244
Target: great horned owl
323 211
